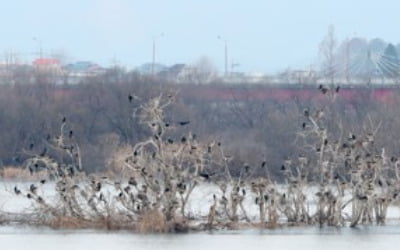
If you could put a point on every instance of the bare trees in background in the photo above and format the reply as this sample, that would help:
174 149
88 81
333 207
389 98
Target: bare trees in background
252 127
328 48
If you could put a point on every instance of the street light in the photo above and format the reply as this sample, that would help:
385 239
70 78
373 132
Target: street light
154 51
40 46
226 54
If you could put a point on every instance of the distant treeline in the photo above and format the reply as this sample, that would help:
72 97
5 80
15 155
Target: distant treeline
256 123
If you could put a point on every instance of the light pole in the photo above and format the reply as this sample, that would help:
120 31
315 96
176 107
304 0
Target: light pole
226 54
154 52
40 46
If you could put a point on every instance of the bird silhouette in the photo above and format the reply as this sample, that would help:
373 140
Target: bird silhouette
183 123
16 190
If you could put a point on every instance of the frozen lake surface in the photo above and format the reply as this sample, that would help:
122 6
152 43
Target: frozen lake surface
382 237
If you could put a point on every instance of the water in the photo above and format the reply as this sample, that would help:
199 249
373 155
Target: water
385 237
364 237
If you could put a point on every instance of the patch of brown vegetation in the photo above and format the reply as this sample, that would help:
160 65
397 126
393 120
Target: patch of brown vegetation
67 222
152 222
17 173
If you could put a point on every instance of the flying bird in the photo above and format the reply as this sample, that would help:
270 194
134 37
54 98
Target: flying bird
183 123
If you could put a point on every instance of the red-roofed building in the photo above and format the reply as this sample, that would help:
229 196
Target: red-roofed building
48 65
45 62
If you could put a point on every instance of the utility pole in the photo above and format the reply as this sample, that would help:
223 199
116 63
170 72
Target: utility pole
226 58
226 55
154 52
154 56
347 60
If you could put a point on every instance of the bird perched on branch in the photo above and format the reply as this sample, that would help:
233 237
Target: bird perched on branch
323 89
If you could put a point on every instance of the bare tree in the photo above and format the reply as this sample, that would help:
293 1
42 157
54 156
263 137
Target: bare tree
328 48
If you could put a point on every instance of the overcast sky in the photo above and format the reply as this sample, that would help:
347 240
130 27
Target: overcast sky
262 35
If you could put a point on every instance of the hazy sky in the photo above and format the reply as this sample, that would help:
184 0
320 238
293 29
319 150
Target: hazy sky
262 35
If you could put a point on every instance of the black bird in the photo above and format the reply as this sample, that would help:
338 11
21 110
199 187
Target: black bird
130 97
304 125
43 181
183 140
167 124
31 146
33 188
98 187
352 136
71 133
127 189
170 141
28 196
283 168
323 89
183 123
362 197
64 119
16 190
30 169
306 113
43 152
132 181
204 175
263 164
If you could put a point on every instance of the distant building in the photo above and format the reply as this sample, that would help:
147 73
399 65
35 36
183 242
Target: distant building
75 72
147 68
48 65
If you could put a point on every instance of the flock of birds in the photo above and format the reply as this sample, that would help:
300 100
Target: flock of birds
334 182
